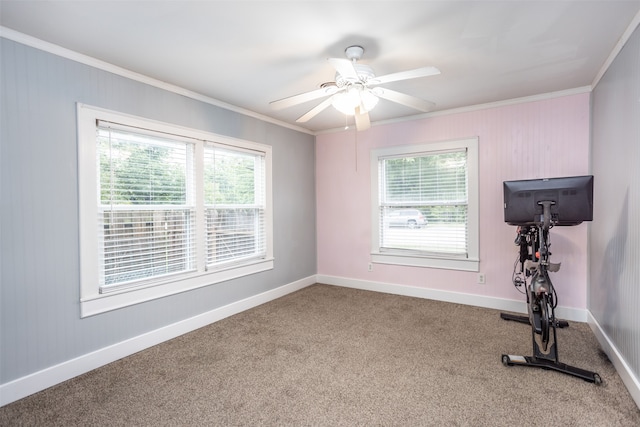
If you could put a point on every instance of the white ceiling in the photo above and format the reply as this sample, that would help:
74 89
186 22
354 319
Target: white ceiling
248 53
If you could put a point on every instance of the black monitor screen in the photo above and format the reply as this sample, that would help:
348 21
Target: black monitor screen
572 197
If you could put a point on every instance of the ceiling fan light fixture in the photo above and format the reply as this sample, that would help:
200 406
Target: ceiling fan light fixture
346 102
369 100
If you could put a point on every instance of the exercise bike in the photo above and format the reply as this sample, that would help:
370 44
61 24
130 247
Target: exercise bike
535 266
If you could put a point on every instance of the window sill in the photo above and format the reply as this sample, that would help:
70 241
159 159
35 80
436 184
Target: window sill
101 303
464 264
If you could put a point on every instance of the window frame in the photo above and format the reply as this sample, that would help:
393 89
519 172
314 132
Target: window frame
92 301
398 257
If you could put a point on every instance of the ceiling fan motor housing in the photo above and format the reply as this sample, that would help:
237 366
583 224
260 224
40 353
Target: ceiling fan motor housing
365 73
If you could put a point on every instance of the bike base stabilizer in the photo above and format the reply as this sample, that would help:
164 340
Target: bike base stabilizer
511 360
525 320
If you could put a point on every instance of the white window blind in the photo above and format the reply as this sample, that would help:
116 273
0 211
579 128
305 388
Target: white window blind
235 205
423 203
146 209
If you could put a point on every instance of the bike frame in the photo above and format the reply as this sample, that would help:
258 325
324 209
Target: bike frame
541 302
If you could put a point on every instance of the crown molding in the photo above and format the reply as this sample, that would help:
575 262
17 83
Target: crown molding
54 49
617 48
477 107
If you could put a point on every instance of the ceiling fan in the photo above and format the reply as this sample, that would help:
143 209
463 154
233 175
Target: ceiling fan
355 90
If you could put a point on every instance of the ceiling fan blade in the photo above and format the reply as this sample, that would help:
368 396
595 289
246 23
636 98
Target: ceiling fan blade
303 97
405 75
362 119
315 110
404 99
345 68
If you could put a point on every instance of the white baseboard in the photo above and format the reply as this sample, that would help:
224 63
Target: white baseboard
38 381
503 304
631 381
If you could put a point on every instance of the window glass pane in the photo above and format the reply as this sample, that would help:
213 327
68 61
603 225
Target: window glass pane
145 223
434 178
141 170
235 205
234 233
141 244
423 203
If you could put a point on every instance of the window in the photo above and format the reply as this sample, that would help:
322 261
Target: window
235 205
425 205
146 212
164 209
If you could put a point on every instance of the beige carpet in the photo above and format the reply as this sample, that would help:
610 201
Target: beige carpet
327 356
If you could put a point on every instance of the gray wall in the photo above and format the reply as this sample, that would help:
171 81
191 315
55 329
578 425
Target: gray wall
614 293
39 289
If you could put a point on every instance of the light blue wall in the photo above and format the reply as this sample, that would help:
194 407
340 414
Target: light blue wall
39 293
614 294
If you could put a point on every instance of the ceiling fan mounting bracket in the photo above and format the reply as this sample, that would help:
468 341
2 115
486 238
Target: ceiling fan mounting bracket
354 52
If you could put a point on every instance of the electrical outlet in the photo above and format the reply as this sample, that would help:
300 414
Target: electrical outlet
481 279
370 267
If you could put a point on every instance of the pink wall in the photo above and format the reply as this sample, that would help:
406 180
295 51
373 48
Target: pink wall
530 140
